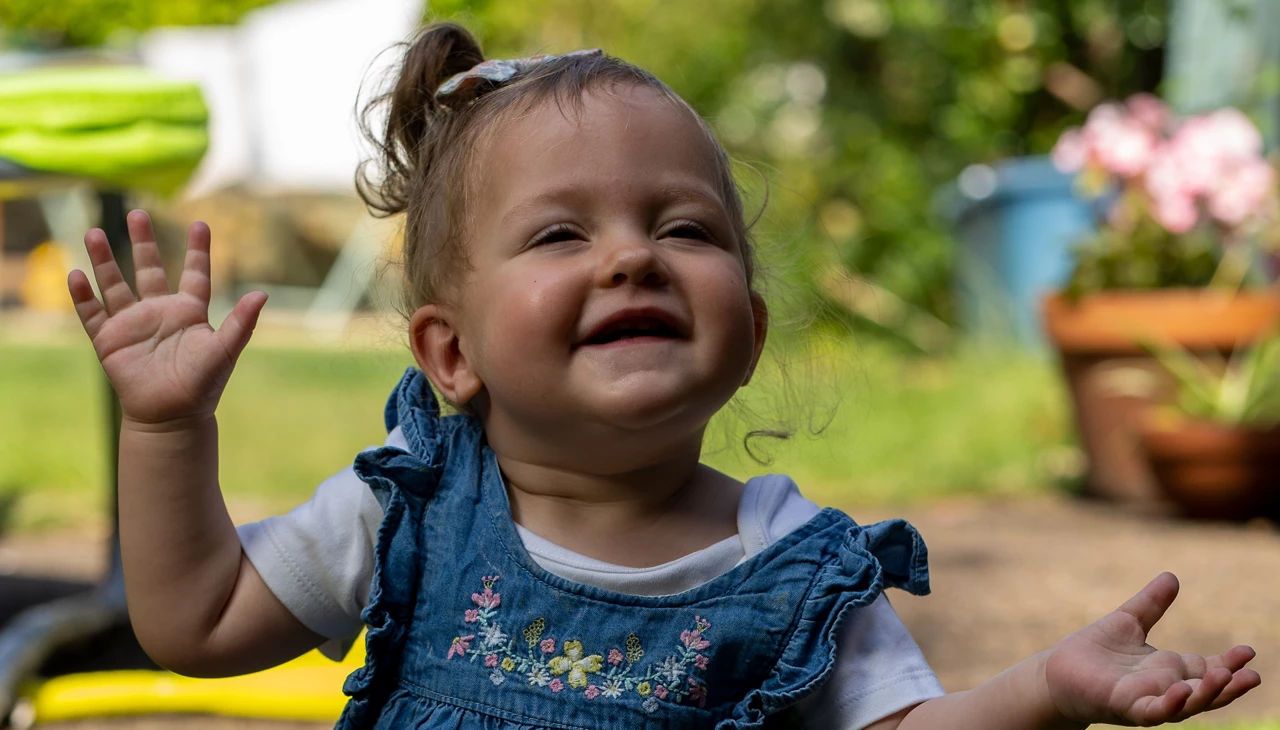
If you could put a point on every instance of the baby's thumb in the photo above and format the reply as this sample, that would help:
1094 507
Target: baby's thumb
238 326
1150 603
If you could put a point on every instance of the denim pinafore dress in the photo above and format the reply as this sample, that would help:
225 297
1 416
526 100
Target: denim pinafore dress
465 630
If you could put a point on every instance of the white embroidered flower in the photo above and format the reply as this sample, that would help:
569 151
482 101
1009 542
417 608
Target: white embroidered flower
497 677
650 704
672 669
539 677
492 635
611 688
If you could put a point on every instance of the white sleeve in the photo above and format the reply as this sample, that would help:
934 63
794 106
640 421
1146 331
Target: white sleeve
318 558
879 668
879 671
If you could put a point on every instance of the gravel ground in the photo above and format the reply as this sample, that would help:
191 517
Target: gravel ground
1009 579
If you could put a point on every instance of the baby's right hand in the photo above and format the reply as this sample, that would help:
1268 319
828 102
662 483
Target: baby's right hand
166 363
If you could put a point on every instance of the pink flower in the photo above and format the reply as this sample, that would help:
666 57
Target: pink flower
660 692
556 685
471 615
1149 111
1123 147
548 646
694 640
591 692
491 660
1071 151
700 662
488 599
459 646
1177 213
615 657
1244 193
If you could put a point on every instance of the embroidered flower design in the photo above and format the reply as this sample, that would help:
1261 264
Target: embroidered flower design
538 677
459 646
487 599
613 673
492 636
577 665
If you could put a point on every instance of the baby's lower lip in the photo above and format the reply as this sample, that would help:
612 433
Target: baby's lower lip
632 341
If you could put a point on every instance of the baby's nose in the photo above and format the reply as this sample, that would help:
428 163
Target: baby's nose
635 261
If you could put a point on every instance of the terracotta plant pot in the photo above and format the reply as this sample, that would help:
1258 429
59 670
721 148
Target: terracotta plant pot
1215 471
1113 382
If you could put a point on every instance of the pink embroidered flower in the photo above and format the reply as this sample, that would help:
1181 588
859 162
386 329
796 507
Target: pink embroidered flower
615 657
491 660
592 692
548 646
694 640
471 615
700 662
660 692
488 599
459 646
556 685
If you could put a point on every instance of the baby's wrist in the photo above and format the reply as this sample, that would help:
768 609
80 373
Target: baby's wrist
175 424
1052 715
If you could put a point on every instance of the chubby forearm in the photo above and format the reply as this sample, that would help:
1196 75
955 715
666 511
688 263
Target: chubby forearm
196 603
1015 699
179 546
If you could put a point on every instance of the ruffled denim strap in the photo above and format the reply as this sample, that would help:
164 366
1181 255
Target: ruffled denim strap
869 560
402 481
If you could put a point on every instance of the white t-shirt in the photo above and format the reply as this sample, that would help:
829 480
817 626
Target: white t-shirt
318 560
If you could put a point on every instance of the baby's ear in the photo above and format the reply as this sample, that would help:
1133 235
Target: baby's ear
435 345
760 313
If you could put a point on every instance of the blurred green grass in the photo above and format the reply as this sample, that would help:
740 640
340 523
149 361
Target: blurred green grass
898 428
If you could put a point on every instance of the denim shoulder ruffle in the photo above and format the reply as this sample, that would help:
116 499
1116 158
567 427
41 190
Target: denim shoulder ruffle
403 481
888 554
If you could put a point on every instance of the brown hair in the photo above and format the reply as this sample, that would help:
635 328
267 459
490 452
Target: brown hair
426 147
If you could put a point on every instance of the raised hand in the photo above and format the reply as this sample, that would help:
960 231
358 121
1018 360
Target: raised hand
1106 672
165 361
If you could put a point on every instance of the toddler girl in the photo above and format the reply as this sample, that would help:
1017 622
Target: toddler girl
554 555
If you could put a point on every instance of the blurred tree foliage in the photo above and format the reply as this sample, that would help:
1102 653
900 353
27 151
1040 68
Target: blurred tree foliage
855 111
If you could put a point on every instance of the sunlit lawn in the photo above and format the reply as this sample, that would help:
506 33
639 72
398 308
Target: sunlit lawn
899 428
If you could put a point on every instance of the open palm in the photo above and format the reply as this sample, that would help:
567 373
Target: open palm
158 349
1106 672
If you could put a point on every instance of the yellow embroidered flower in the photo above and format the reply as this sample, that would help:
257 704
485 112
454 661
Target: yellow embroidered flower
644 689
508 664
577 665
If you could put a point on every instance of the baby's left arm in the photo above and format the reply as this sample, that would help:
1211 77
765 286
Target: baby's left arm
1105 672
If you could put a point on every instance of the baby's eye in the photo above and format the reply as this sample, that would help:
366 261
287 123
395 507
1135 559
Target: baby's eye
559 233
688 230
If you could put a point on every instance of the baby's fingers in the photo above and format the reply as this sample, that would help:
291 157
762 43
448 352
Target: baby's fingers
116 294
148 267
1242 681
195 267
238 326
1150 603
88 308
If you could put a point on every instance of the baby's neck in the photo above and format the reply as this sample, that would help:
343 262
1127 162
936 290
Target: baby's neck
638 519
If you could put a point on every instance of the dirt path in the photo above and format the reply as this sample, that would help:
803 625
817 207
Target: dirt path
1009 579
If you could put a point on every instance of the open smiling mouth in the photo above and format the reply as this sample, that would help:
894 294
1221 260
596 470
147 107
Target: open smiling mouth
633 328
